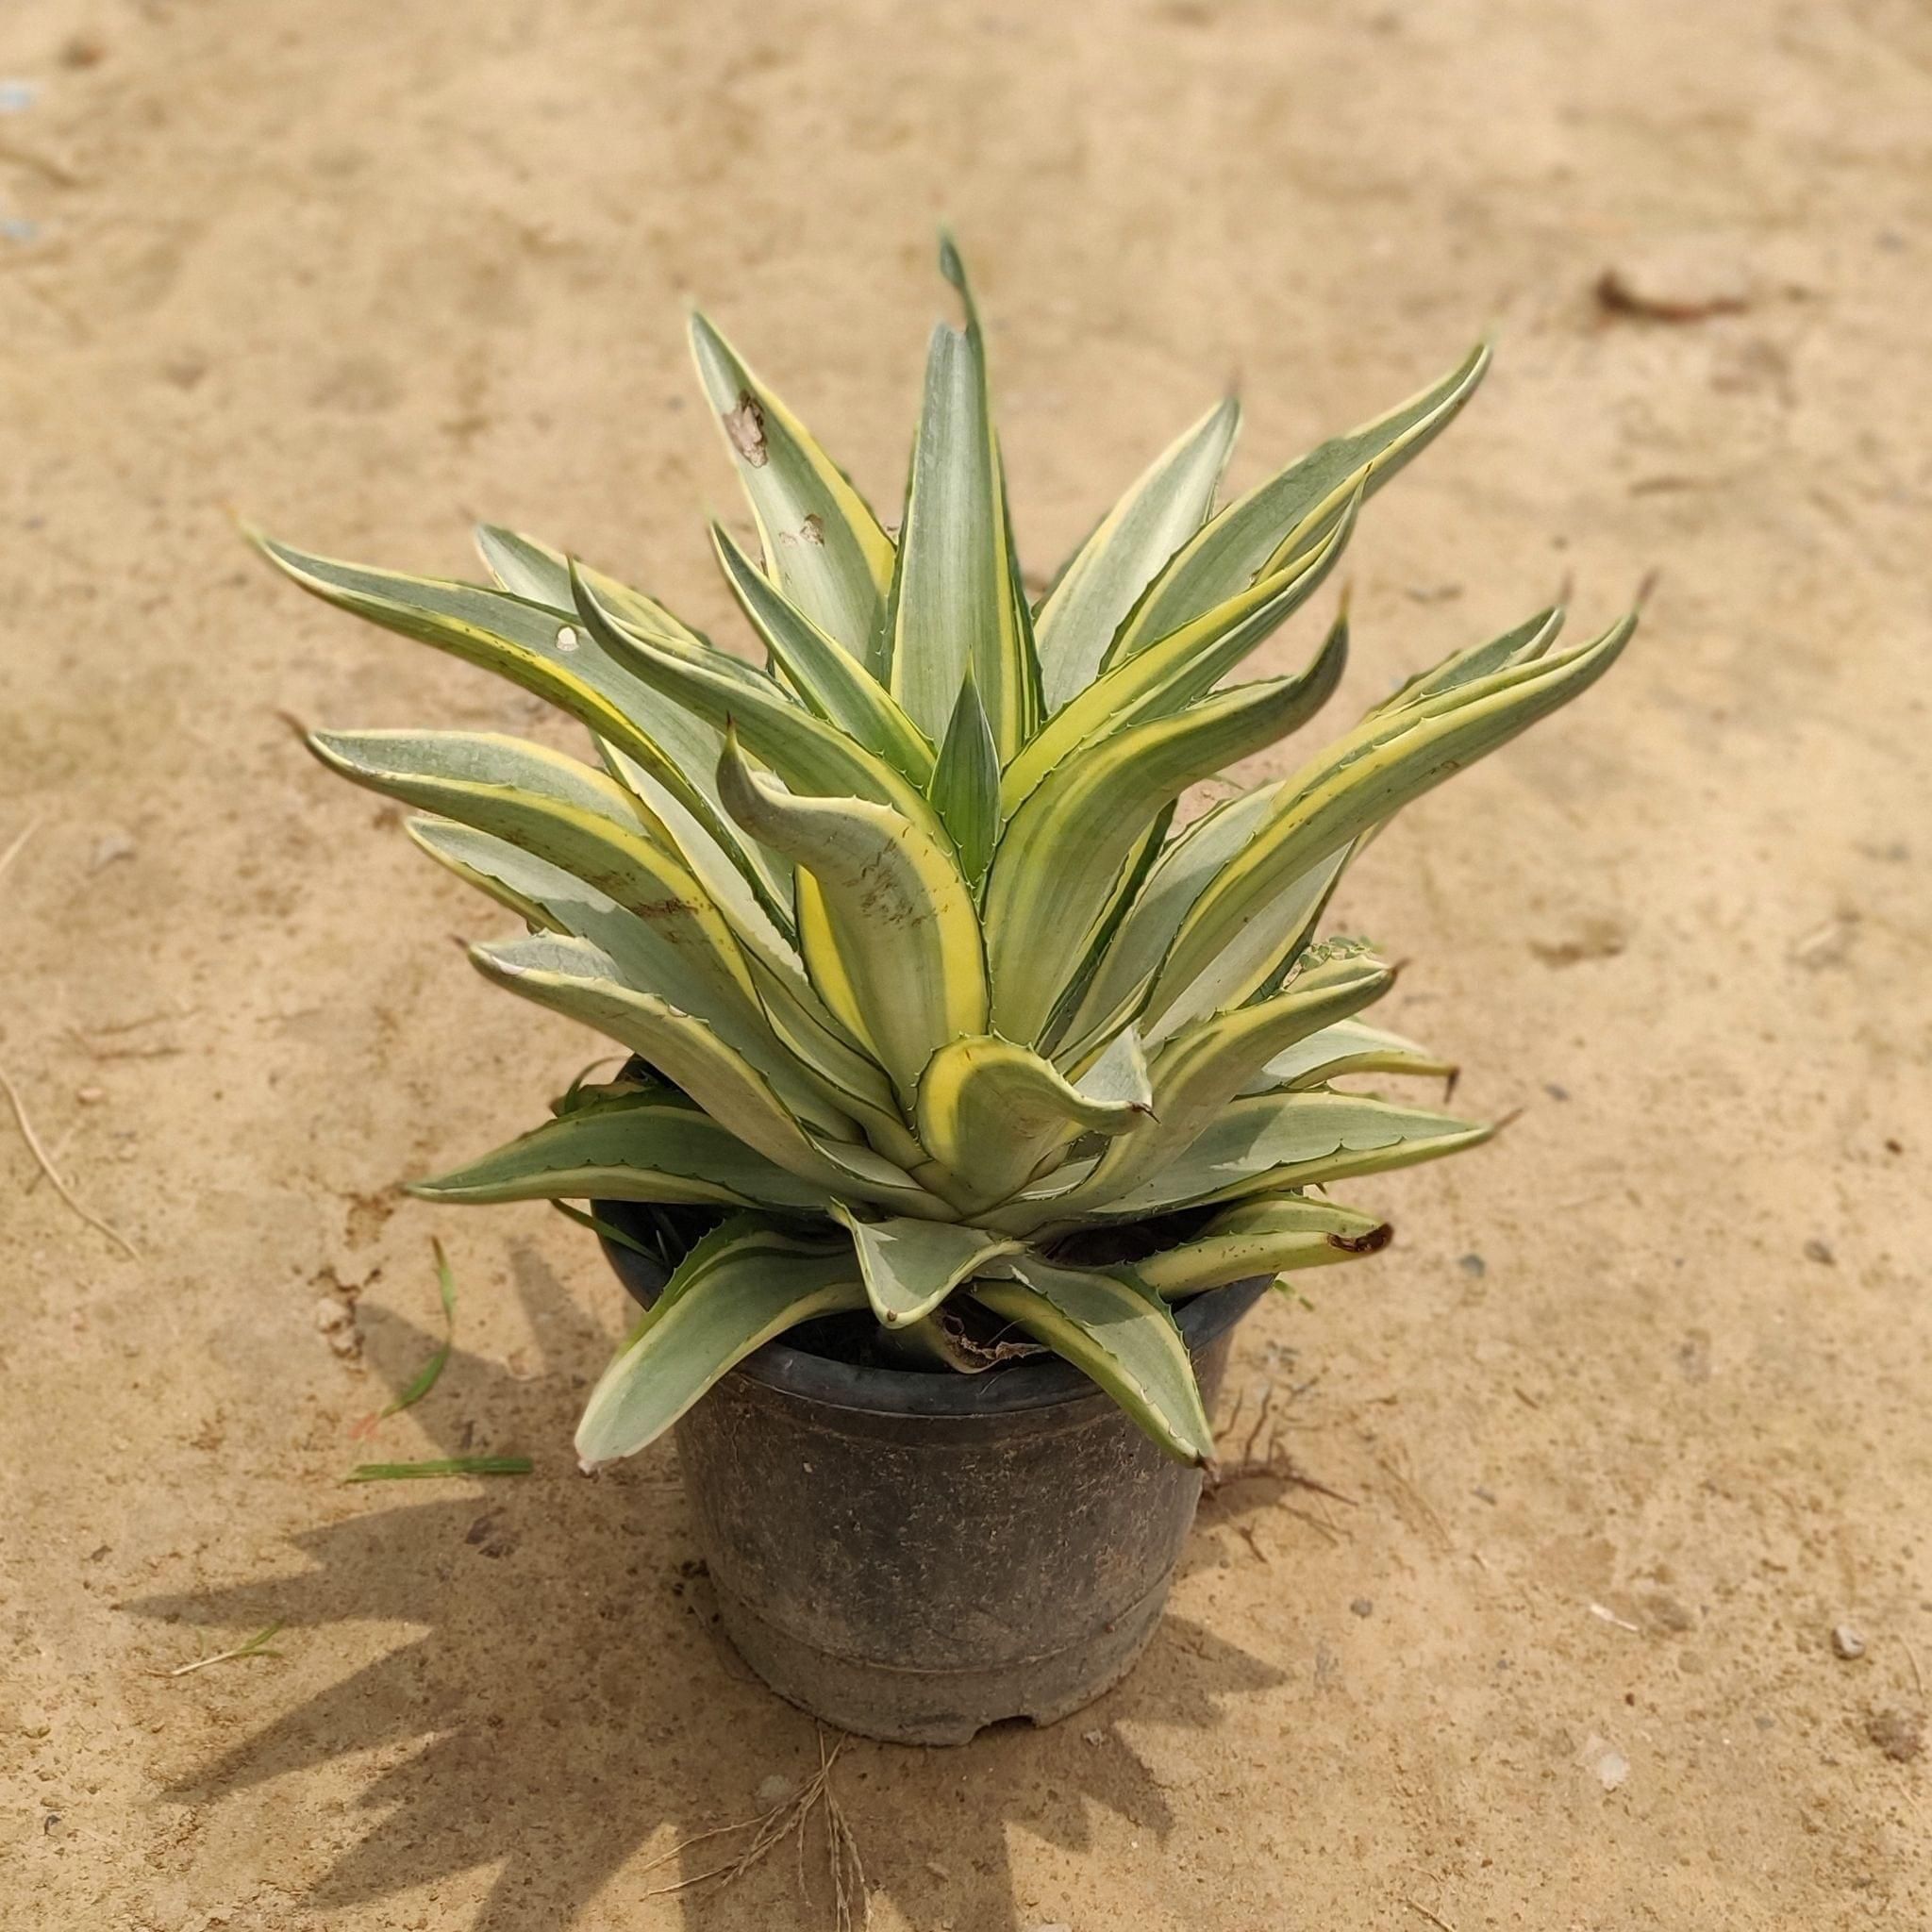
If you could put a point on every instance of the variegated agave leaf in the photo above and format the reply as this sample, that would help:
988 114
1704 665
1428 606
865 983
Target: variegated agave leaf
945 1007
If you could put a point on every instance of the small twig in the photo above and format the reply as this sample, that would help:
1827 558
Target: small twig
255 1646
61 1187
18 844
39 1173
149 1019
1423 1911
1918 1676
95 1051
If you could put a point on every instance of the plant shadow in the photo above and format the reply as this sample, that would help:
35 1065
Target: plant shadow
628 1713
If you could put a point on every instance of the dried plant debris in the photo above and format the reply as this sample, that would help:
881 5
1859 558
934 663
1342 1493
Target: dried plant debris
787 1814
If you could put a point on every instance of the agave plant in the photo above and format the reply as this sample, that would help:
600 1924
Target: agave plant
936 1012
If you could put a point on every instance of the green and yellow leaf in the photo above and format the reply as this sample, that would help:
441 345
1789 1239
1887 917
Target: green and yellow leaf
1104 581
1349 1047
1061 853
1387 760
1281 518
574 978
810 754
823 547
650 1146
740 1287
886 919
956 602
835 684
990 1111
1118 1333
1268 1144
910 1267
1274 1235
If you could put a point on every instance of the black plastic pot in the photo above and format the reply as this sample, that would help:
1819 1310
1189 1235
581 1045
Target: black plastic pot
914 1557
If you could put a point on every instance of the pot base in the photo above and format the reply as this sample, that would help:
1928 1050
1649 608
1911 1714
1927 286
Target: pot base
929 1707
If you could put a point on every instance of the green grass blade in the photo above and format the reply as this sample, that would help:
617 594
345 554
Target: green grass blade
442 1466
425 1379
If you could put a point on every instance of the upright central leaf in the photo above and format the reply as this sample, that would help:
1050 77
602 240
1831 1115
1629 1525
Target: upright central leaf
957 600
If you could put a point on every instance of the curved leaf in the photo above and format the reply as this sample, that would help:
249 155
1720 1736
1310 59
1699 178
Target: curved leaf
990 1112
1276 932
1179 668
635 1147
1525 644
532 570
831 681
1280 518
558 661
1268 1144
1118 1333
823 547
1203 1067
679 952
811 755
740 1285
886 921
1176 878
1387 760
1103 582
575 821
576 979
910 1267
1270 1235
1346 1047
1060 854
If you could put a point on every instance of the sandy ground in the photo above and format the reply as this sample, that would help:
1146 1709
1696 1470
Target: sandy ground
1634 1413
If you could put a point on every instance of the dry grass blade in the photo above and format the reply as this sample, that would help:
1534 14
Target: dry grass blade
17 844
46 1165
255 1646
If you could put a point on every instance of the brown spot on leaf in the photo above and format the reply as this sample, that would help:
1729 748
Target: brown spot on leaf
745 426
1371 1243
812 530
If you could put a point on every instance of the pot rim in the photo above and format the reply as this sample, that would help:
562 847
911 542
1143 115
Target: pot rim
1009 1390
